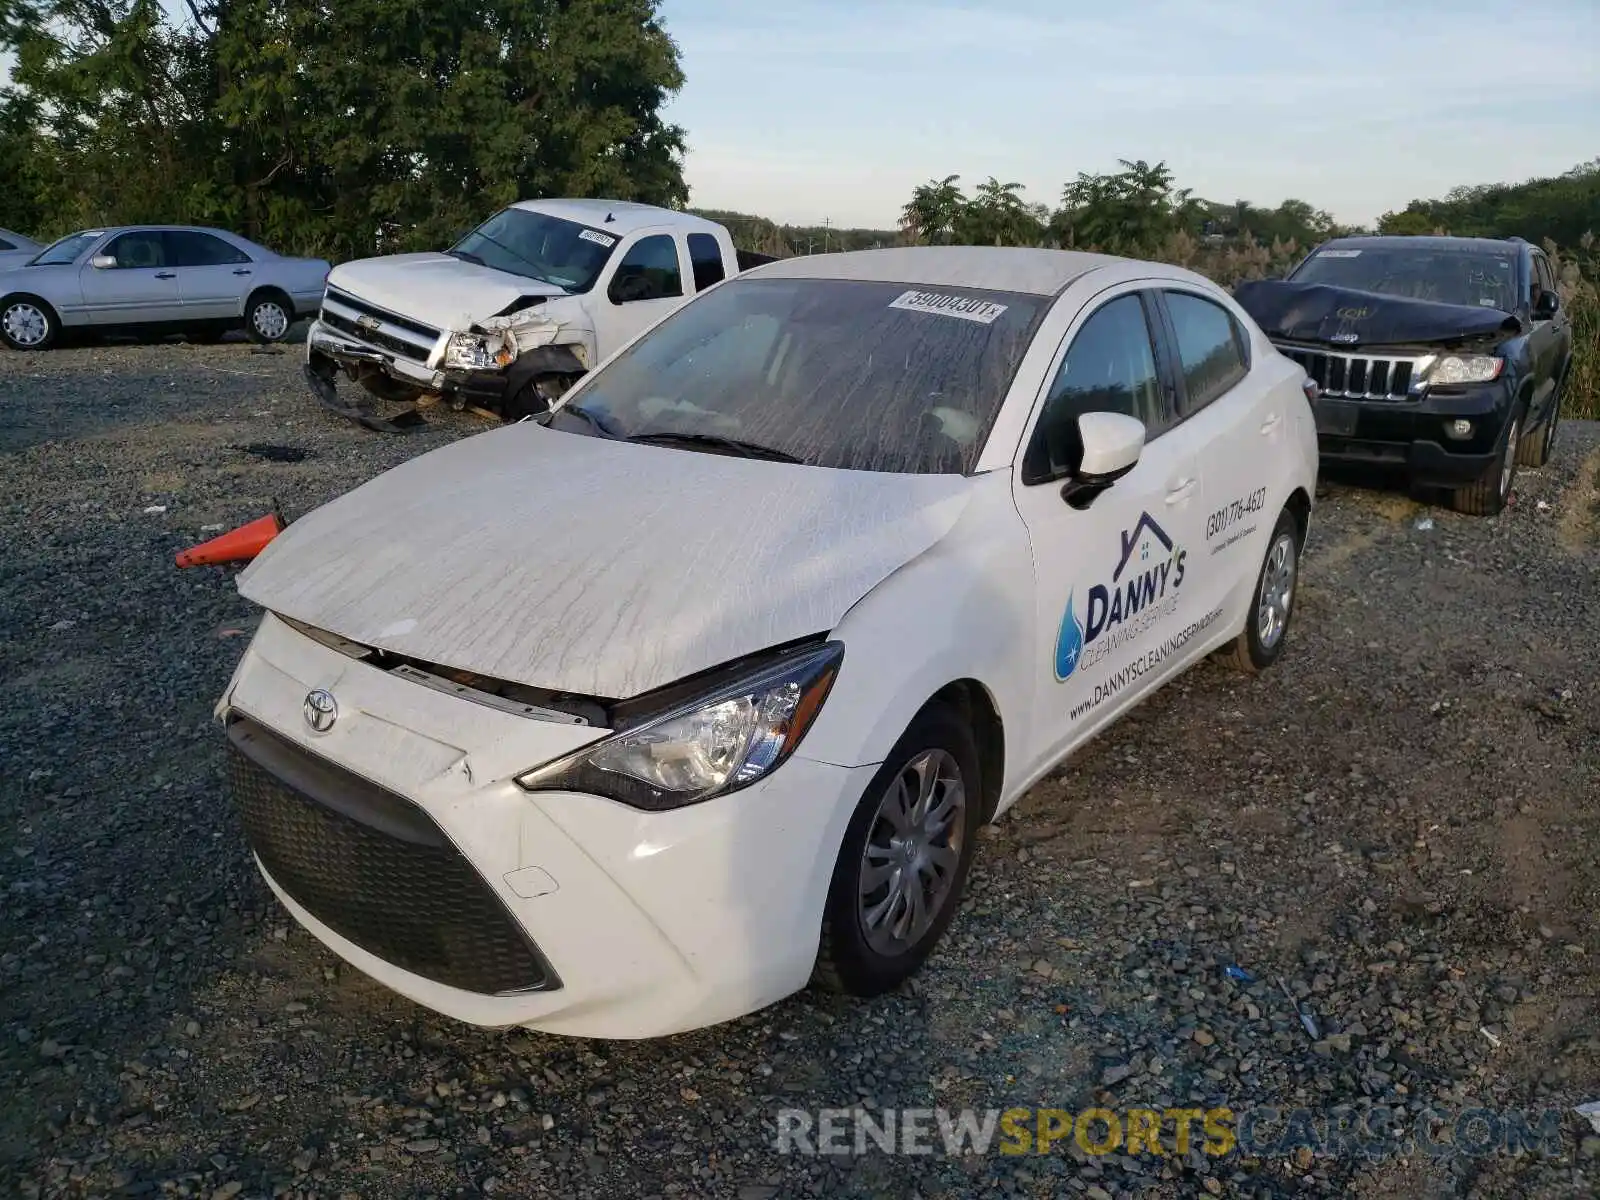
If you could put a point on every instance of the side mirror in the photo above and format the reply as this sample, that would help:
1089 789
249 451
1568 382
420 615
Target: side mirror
1111 443
103 262
1548 304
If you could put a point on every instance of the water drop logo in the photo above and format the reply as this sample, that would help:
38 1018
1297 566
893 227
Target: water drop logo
1069 643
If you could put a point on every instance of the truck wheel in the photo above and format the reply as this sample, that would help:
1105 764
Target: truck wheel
28 323
1266 629
1488 496
392 390
905 856
1536 446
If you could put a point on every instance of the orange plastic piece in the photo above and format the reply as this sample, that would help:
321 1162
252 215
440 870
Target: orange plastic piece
236 545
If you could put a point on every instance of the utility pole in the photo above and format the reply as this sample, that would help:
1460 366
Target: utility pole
826 221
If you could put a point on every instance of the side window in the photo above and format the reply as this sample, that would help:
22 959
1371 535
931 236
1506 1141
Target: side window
141 248
706 257
1211 348
5 245
190 248
1544 279
649 271
1110 367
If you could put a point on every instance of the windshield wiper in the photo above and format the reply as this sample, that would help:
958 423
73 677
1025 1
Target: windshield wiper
594 420
716 441
466 256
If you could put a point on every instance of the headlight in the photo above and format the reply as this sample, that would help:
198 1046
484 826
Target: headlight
1466 368
474 352
718 742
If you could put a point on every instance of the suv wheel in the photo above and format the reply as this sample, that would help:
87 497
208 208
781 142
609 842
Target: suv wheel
1488 496
906 852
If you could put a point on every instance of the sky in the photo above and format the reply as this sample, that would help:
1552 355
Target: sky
807 110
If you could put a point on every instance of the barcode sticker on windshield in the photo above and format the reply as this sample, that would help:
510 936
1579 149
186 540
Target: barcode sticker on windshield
965 307
590 235
1340 254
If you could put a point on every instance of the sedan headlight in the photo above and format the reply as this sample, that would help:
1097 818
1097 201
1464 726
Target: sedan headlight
474 352
1466 368
720 741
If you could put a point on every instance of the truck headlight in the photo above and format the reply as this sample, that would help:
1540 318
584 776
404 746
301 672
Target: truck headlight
475 352
1466 368
718 742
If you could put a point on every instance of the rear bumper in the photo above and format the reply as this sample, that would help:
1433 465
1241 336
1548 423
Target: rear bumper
1415 436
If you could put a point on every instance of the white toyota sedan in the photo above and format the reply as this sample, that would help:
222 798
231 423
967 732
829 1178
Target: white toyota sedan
640 716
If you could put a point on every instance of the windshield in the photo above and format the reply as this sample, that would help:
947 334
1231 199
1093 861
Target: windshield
539 247
66 250
835 373
1481 279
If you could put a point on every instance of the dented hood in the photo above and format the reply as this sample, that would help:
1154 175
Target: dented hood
593 566
1320 312
435 288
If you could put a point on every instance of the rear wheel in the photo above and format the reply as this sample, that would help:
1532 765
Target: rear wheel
904 860
1267 627
28 323
267 317
1488 495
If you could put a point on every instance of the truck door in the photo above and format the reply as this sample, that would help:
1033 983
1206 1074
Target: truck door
646 284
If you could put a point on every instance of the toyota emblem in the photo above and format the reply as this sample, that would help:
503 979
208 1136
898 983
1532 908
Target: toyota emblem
320 710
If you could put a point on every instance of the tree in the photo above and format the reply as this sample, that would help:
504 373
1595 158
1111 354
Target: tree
998 216
932 213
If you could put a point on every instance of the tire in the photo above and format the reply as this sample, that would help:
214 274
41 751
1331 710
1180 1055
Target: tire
28 323
392 390
1535 447
1266 628
268 317
1488 496
850 958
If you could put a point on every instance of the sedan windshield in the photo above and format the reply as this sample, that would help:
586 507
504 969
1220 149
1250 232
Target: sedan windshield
1445 276
66 250
835 373
538 246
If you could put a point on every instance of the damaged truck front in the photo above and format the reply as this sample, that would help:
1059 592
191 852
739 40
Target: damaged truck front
1444 357
511 315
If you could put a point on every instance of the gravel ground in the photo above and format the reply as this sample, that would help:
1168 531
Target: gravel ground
1400 821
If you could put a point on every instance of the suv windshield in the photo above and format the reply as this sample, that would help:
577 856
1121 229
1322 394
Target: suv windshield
835 373
539 247
66 250
1444 275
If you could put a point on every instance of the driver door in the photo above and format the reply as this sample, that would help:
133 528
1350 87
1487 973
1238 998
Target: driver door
141 289
645 284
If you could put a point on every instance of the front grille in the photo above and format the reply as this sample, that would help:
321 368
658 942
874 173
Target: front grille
376 869
382 338
374 337
1357 376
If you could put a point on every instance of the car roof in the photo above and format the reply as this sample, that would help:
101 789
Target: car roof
616 216
995 268
13 235
1421 241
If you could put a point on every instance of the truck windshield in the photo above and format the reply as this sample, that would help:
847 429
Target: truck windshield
837 373
538 246
1445 276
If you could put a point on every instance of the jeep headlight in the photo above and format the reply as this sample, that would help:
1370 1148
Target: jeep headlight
475 352
1466 368
719 741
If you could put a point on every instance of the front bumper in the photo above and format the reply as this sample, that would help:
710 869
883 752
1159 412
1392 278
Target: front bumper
410 852
337 350
1411 434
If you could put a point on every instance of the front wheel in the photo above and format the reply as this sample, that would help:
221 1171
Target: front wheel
28 323
268 317
1488 496
1537 445
1267 627
905 857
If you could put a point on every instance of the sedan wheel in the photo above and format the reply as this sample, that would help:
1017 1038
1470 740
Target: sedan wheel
1261 643
269 320
27 324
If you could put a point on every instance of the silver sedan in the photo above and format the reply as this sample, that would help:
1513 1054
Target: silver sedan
156 278
16 249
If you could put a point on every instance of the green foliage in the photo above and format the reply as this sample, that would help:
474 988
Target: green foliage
370 126
767 237
1563 208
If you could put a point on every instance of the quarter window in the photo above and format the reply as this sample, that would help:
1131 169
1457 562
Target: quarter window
705 255
1110 367
5 245
1211 348
141 249
649 271
191 248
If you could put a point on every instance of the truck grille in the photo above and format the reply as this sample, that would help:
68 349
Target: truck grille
394 333
376 869
1357 376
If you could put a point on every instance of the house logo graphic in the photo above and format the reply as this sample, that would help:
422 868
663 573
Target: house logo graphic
1143 588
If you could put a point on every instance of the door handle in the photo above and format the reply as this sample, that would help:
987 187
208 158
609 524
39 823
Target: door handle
1179 490
166 275
1270 423
242 271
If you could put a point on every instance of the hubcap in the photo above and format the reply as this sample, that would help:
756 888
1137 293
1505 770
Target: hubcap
1509 467
908 869
270 319
25 324
1277 592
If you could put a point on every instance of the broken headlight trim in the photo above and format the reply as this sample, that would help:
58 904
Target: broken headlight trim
1466 368
716 743
475 352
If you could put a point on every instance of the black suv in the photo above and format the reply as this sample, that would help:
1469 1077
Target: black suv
1445 356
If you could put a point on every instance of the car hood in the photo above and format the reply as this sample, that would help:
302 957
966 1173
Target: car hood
443 291
593 566
1320 312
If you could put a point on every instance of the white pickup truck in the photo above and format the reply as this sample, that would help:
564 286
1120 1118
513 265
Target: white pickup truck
508 317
